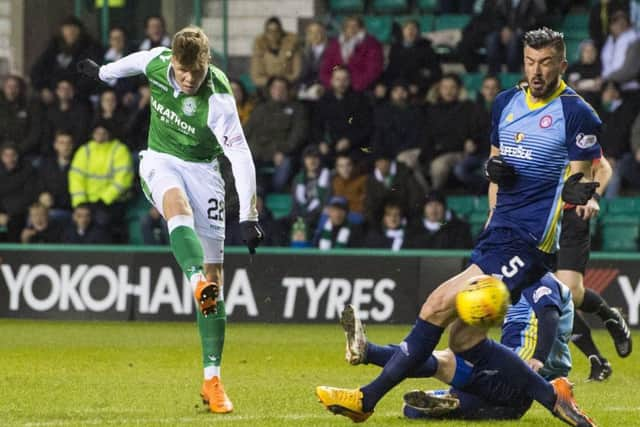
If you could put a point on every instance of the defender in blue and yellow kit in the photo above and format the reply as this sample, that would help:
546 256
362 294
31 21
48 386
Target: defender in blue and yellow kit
542 134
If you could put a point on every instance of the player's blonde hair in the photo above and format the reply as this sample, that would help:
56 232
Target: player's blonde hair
190 47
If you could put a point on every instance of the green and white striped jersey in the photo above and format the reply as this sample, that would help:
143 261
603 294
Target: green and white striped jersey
194 128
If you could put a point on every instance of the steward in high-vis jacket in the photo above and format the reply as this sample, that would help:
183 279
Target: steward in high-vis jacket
101 170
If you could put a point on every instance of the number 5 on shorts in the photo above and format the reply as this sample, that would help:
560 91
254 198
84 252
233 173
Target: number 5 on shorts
514 266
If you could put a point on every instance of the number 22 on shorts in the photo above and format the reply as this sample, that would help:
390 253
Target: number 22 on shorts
512 269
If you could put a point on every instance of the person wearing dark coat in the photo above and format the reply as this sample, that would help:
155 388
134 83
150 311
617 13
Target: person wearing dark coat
310 88
584 75
60 59
53 174
413 60
68 114
21 121
83 230
439 227
617 114
336 232
40 228
18 190
390 180
341 121
390 234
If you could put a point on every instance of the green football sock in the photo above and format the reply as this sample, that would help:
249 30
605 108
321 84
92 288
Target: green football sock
211 330
187 249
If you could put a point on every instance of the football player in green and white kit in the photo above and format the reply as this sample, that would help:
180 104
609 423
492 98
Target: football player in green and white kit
194 121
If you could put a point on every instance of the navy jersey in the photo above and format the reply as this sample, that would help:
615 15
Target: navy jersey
520 327
539 140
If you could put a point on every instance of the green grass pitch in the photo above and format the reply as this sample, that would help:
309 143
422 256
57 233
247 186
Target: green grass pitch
149 374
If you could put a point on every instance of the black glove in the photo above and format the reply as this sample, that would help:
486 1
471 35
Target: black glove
499 172
252 235
576 192
89 68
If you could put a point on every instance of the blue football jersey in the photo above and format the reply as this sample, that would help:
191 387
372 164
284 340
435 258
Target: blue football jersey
520 327
539 140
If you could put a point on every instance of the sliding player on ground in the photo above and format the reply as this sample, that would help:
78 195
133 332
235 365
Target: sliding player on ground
194 122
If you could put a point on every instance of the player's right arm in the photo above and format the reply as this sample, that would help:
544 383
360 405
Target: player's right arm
130 65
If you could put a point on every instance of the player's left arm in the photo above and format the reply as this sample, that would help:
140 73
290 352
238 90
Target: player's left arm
223 120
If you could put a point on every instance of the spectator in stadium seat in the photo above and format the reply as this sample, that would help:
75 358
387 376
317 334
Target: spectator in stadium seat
118 47
67 113
456 6
584 75
60 59
244 103
110 112
275 130
600 19
438 227
413 60
310 88
155 30
352 186
337 232
341 118
452 132
137 126
474 36
102 174
311 188
617 114
40 228
389 233
390 180
358 51
513 19
620 54
626 172
398 129
20 119
276 53
18 189
53 174
82 230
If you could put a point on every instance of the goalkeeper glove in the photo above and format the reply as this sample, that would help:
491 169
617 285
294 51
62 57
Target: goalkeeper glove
252 235
89 68
499 172
576 192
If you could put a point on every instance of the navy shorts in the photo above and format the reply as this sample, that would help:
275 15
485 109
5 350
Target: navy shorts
506 254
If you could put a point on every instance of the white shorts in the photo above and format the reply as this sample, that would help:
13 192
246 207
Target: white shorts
203 185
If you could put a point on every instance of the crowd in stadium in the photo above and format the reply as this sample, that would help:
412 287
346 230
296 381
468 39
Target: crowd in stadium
367 139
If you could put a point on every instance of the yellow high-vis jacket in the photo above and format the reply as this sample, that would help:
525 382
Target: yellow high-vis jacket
100 171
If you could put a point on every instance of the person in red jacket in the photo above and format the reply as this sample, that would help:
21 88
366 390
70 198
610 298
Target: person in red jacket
358 51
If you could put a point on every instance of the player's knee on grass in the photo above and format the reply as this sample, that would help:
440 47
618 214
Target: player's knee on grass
573 280
174 202
446 365
462 337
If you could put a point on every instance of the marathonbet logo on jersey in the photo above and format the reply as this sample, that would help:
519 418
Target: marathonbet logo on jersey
172 118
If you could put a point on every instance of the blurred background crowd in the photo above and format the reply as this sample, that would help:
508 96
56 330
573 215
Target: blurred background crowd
367 130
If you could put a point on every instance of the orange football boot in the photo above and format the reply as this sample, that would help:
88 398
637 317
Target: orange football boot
206 293
214 395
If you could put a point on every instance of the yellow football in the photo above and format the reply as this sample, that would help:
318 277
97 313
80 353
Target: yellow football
483 302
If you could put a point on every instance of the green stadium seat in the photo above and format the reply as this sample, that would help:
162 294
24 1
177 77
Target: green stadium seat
390 6
624 206
573 50
427 5
472 81
509 80
279 203
452 22
575 22
245 79
427 23
620 233
477 221
462 205
379 26
137 208
346 6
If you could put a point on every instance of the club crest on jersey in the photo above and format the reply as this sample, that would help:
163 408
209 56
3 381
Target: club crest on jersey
546 121
586 141
519 137
189 106
509 117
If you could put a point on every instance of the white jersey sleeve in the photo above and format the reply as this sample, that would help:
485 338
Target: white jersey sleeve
130 65
223 120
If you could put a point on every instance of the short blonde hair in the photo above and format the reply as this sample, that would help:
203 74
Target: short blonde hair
190 47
